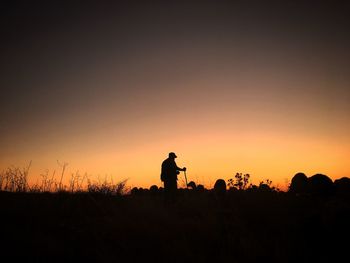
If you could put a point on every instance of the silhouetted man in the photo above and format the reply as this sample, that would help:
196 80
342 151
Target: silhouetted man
169 173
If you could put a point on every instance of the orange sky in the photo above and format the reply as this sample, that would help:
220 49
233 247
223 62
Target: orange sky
271 135
112 90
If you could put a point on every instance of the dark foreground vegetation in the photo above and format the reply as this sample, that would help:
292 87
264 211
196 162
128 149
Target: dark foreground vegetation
309 223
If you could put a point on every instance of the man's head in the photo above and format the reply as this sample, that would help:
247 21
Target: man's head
172 155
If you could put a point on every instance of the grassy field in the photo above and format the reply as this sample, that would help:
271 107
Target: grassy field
200 226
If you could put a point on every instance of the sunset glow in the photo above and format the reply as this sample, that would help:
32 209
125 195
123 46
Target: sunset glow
112 95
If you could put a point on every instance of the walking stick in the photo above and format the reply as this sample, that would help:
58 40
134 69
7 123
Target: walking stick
186 179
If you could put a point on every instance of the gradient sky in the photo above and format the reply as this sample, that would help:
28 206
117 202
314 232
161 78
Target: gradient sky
111 88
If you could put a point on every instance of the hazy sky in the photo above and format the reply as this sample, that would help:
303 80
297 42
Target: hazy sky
111 88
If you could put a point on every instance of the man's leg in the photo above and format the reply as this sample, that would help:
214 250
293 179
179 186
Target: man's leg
170 188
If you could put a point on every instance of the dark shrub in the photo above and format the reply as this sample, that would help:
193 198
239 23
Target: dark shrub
342 186
153 189
220 188
320 184
192 185
200 188
299 184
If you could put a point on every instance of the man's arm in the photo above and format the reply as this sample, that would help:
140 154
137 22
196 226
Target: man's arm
180 169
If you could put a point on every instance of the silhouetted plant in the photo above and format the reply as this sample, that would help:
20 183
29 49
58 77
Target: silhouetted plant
240 181
299 184
192 185
220 188
107 188
320 184
2 180
266 182
14 179
46 182
64 166
76 182
267 186
200 187
342 186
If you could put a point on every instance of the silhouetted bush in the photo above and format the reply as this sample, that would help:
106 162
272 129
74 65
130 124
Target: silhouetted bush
134 191
200 188
107 188
299 184
264 187
220 188
240 181
320 185
192 185
153 189
342 186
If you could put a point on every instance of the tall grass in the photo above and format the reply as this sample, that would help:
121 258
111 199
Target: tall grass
15 179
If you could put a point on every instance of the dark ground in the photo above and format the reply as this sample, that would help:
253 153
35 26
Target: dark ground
245 226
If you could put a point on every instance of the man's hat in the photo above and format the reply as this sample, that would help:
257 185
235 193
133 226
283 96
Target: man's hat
172 154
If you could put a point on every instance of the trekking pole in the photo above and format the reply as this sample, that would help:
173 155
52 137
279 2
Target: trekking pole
186 179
